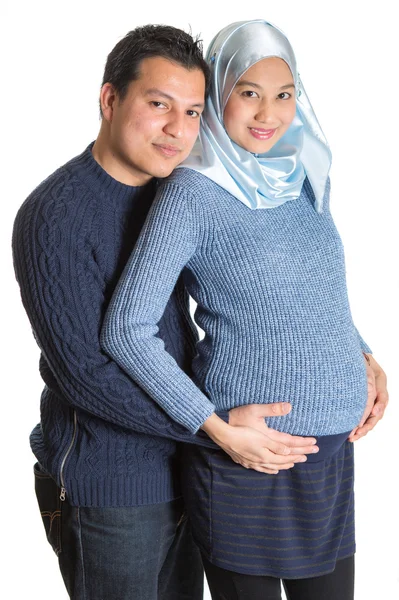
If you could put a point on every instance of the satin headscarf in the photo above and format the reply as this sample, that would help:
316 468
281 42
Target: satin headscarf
263 180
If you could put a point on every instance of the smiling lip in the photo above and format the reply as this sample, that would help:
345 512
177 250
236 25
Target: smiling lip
167 150
261 134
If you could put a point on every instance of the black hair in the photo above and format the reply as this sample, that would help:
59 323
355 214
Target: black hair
123 62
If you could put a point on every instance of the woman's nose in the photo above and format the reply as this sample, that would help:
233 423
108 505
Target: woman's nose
265 113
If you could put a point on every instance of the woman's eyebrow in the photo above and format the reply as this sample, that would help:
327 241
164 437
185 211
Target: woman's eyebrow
244 82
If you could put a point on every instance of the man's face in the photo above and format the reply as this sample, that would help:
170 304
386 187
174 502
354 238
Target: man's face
155 126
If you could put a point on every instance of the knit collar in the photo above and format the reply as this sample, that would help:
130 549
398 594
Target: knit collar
102 184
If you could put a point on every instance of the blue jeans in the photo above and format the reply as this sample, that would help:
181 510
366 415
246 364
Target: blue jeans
128 553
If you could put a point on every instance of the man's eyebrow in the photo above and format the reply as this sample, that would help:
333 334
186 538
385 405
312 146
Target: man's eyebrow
158 92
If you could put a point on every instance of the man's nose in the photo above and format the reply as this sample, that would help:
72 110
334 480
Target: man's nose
175 125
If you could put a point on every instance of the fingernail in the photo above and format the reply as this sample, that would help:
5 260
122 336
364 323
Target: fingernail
303 459
315 449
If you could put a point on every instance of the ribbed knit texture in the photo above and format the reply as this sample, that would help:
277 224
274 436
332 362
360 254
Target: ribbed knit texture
272 300
72 238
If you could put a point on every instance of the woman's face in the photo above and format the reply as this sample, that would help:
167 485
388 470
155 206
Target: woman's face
261 106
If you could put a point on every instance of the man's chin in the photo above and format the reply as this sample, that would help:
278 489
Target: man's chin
164 172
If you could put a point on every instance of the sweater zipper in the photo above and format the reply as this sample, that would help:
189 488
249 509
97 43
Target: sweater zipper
63 490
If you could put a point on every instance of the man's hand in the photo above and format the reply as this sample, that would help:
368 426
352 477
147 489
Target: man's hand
251 443
377 399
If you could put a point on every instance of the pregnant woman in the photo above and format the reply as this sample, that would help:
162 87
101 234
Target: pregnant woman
246 222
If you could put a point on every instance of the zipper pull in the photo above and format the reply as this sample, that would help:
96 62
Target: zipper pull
62 494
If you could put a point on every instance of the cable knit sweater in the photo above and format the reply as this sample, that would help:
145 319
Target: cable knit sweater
272 301
100 437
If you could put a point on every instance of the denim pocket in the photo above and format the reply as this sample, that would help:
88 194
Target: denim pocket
48 497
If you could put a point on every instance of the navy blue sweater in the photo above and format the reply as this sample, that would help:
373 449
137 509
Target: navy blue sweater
100 436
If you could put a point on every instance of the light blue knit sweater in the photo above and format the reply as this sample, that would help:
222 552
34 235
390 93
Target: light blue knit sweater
272 300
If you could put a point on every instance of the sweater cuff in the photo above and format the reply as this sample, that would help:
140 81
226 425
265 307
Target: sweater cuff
364 347
196 416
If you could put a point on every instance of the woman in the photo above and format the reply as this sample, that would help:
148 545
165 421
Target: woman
247 223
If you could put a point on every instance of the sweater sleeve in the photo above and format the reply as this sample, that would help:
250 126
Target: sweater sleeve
62 290
364 347
166 244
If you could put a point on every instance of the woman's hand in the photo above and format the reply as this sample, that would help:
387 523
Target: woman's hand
377 399
256 446
253 415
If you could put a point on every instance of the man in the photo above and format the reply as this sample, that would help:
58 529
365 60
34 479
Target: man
107 471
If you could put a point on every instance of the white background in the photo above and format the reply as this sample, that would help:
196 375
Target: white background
52 57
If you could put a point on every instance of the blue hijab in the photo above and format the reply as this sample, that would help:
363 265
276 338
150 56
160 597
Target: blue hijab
263 180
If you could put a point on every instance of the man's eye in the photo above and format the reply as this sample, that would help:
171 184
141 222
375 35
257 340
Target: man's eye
193 113
158 104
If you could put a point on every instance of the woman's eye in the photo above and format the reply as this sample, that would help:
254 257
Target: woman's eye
284 96
249 94
193 113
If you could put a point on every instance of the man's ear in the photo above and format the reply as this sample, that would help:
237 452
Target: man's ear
108 96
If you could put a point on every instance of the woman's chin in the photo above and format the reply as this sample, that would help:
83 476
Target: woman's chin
255 146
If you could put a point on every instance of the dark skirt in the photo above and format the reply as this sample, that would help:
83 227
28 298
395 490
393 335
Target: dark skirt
292 525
